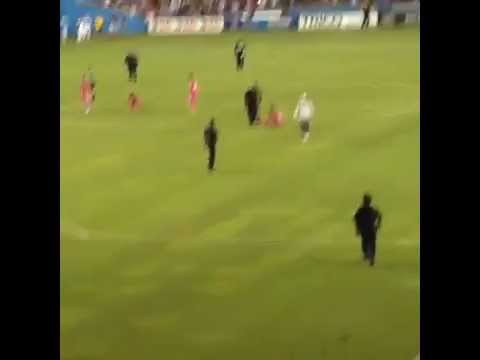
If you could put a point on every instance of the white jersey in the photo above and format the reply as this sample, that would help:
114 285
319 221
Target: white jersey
304 110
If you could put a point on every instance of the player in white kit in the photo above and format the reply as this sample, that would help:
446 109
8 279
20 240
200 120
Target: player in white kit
64 28
304 115
84 28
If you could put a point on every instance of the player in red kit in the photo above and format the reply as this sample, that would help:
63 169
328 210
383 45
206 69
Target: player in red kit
193 93
134 102
86 94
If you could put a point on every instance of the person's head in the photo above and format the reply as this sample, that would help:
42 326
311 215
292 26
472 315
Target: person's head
212 122
367 199
304 96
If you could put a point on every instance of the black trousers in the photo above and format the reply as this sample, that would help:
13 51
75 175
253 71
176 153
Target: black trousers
132 73
211 157
366 19
240 62
252 115
369 247
93 92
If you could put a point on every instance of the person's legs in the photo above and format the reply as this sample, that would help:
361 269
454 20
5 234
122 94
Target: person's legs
132 73
364 248
371 249
365 17
135 74
211 157
251 116
239 63
305 127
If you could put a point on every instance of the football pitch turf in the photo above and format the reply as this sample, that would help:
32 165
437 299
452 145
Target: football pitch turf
160 260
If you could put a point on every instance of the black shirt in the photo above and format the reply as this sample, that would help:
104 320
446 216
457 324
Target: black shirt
210 136
131 60
251 99
240 49
367 220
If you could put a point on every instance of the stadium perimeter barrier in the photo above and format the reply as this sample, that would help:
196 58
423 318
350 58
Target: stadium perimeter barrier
323 17
184 25
262 20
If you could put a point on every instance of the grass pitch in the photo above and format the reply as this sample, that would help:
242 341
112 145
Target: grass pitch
160 260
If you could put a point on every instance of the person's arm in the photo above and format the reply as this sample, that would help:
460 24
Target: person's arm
379 220
205 137
355 220
297 109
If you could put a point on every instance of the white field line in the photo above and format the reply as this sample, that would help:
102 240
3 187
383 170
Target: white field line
82 233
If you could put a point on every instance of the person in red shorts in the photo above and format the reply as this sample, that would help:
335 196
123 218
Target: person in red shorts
134 102
275 118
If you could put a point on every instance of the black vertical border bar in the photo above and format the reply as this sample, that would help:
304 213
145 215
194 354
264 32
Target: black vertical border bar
31 216
449 160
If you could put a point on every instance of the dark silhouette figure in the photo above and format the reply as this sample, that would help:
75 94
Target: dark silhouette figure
240 53
367 222
131 60
366 14
253 99
210 136
251 105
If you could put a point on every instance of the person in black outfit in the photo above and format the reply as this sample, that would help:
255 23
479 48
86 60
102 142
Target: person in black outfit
251 105
210 136
253 100
366 14
131 60
240 54
367 222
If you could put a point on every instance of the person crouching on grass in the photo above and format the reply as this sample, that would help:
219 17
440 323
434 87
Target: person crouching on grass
275 118
134 102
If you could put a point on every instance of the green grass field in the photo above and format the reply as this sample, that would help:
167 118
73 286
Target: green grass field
160 260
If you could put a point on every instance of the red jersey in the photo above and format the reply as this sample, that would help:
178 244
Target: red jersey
193 86
86 91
